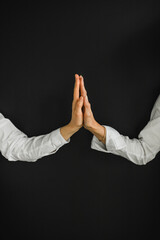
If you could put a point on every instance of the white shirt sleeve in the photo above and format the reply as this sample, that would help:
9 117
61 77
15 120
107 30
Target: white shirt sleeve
140 151
15 145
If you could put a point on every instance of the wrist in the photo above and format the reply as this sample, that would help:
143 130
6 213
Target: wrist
67 131
93 127
99 131
72 128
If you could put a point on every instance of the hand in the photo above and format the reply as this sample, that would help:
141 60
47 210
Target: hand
77 104
77 115
89 121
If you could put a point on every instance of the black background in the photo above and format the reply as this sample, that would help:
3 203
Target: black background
79 193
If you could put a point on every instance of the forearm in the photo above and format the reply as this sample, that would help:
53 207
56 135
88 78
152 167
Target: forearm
135 150
139 151
31 149
99 131
15 145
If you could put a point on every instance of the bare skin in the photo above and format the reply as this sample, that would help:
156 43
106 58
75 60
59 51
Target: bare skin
89 121
76 121
82 117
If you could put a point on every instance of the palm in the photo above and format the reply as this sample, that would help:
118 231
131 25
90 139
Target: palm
87 112
77 114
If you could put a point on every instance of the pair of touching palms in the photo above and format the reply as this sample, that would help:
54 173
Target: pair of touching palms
82 115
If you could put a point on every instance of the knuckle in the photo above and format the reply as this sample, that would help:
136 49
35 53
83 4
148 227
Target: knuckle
78 103
88 105
88 114
77 113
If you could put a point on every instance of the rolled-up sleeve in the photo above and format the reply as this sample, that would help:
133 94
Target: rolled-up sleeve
139 150
15 145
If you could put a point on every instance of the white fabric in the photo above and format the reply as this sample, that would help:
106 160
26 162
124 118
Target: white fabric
15 145
139 151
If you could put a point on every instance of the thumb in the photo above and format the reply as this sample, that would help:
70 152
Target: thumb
80 102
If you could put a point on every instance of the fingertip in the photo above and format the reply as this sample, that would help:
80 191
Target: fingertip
82 80
76 75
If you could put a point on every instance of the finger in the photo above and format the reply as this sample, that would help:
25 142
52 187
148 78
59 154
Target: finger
87 107
76 88
79 104
86 102
82 87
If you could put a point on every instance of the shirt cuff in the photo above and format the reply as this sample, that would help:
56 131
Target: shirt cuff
98 145
57 139
114 141
1 116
